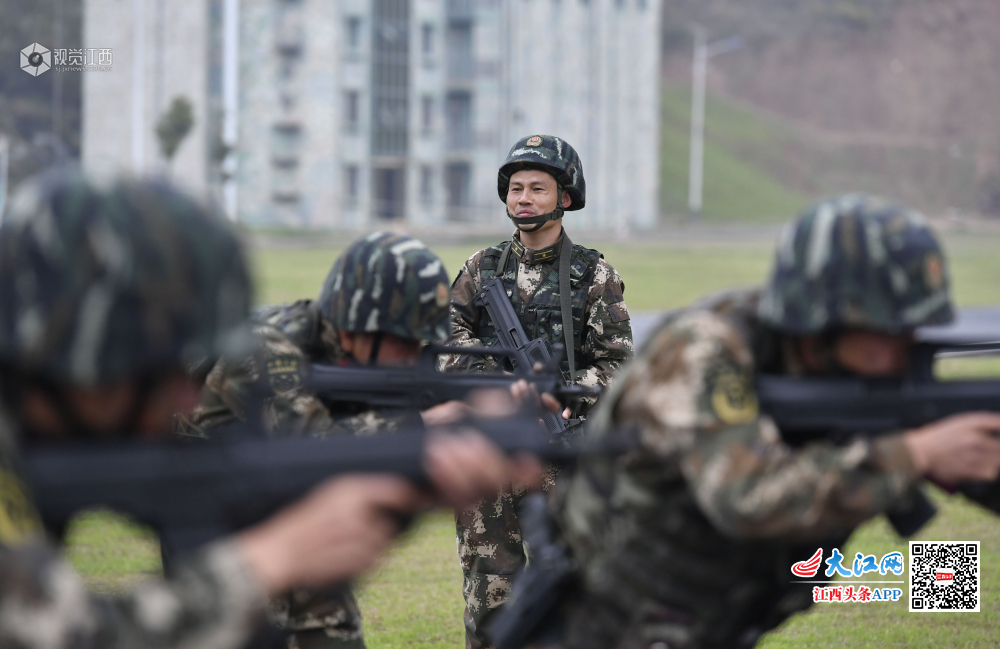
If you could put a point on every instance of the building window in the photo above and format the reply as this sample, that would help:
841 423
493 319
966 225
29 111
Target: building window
352 110
457 179
390 109
390 192
426 184
352 183
427 39
353 27
460 50
427 113
458 113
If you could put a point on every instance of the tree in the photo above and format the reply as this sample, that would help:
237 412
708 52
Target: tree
174 126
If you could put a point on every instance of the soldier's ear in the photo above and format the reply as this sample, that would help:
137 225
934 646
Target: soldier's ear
566 200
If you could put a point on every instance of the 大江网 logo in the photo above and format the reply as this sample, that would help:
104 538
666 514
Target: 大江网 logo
35 59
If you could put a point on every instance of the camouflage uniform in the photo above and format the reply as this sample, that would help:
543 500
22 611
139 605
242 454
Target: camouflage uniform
382 283
99 286
687 543
489 539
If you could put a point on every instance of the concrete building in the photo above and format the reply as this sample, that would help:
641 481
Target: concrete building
161 51
348 113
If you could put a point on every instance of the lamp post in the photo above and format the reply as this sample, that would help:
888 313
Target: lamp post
703 51
231 105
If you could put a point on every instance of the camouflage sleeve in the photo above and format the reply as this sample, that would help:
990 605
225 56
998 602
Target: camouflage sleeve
607 335
465 317
212 601
279 370
691 394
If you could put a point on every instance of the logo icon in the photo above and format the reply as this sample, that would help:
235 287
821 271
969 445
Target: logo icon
944 576
810 566
534 140
35 59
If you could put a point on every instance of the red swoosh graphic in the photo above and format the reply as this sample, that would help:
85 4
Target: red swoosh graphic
810 567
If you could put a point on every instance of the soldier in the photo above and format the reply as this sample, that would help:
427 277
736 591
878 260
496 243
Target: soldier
688 542
385 296
106 296
550 282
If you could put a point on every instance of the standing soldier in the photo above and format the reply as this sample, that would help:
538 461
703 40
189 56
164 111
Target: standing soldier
688 541
550 282
385 296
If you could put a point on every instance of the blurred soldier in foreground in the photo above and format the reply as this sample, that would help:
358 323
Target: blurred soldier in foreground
564 293
688 542
385 296
106 297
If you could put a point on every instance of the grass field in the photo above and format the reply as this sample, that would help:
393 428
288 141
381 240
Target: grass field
414 599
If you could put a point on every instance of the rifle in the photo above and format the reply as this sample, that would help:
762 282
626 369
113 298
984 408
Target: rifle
522 354
192 494
423 386
839 409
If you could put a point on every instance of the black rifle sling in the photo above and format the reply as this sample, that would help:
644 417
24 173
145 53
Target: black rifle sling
502 266
566 304
565 297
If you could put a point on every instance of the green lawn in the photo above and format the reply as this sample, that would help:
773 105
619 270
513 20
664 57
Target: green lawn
414 599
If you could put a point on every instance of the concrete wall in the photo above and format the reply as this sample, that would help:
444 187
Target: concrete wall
584 72
174 49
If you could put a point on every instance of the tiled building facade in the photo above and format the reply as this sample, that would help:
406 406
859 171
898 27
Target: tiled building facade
357 111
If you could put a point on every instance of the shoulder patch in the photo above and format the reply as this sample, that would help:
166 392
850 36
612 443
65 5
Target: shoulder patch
733 397
284 373
442 295
18 518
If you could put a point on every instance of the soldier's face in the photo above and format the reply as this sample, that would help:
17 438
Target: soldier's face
533 192
393 350
105 408
873 354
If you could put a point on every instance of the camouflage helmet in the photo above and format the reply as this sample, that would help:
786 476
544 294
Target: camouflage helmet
388 283
549 154
100 285
857 261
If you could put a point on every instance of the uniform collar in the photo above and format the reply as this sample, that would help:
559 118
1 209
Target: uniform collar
529 256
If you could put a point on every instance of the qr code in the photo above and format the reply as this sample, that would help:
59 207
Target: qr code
944 576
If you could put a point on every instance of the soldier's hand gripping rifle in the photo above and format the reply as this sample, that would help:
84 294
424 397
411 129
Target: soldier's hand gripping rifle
521 353
839 409
423 385
194 493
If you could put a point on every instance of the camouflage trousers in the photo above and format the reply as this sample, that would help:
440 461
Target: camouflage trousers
324 619
491 552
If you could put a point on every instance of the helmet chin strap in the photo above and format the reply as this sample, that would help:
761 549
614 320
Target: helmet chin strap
540 220
376 346
831 363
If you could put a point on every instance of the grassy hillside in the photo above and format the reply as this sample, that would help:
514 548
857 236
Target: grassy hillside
739 145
